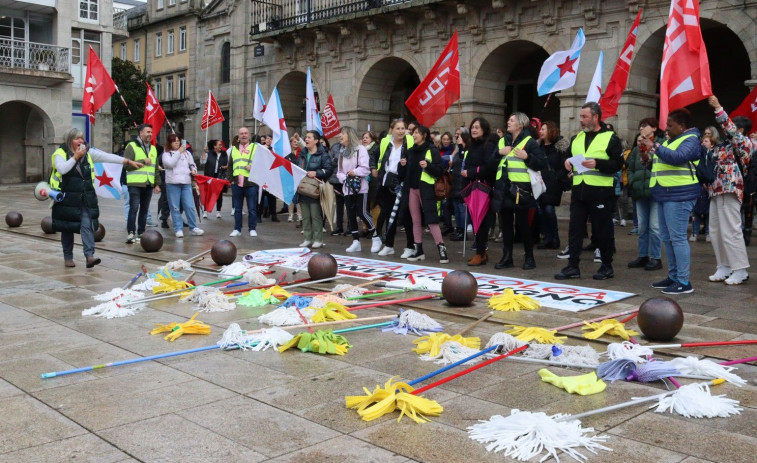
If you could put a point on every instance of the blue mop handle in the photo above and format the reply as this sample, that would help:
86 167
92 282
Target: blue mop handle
136 277
236 284
453 365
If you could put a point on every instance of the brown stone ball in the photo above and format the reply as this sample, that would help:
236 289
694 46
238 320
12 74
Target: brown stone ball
660 318
322 266
459 288
99 233
223 252
14 219
47 225
151 241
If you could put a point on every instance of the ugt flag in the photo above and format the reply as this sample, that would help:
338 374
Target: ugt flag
595 89
312 118
107 178
258 107
154 114
98 86
274 119
210 189
275 174
619 79
685 73
330 120
212 114
440 88
559 70
748 108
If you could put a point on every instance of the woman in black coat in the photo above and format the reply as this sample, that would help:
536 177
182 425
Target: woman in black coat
556 150
216 165
317 163
456 166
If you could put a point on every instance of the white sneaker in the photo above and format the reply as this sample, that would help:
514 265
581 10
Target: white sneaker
564 254
407 253
290 218
693 238
253 233
204 214
218 215
707 238
721 274
180 234
622 222
232 211
469 229
597 256
376 244
355 246
305 244
737 277
317 244
235 233
387 251
197 231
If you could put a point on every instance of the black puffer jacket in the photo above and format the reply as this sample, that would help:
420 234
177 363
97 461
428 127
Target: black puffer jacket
554 174
454 170
79 190
320 162
478 162
411 176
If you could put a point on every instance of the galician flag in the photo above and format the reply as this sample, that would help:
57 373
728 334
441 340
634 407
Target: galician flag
275 174
595 89
559 70
312 118
258 108
274 118
107 178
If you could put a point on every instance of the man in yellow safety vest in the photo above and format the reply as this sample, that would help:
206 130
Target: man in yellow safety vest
241 186
601 155
141 182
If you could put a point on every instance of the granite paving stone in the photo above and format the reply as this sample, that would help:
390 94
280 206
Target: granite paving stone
28 422
86 448
342 449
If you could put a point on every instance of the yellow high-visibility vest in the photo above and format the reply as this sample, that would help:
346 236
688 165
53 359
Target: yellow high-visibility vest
388 140
239 161
56 178
670 175
424 176
517 171
146 173
597 150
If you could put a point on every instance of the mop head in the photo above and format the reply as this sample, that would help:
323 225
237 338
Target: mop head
696 401
146 285
506 341
611 327
275 292
118 293
616 369
113 308
166 273
320 342
508 301
533 333
257 298
348 291
235 336
178 265
332 312
653 370
628 350
320 302
298 301
415 322
432 344
175 330
287 316
209 300
256 278
394 395
451 352
578 355
694 366
524 435
168 284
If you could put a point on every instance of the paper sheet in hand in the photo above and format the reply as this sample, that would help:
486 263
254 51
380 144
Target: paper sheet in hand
576 161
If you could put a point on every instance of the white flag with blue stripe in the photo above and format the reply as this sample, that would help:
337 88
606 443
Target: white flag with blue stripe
559 70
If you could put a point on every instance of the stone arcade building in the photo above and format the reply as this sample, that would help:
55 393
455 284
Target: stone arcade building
371 54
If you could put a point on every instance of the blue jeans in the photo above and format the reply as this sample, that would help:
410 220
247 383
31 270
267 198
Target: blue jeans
87 237
238 195
459 210
649 228
696 223
674 221
180 196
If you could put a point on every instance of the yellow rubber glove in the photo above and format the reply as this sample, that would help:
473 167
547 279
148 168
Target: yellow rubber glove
587 384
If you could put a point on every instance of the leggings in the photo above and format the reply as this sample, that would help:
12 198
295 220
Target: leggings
416 212
357 205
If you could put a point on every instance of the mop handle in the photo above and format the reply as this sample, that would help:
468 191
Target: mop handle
474 324
598 319
652 398
703 344
395 301
453 365
737 361
468 370
131 282
193 258
265 286
174 293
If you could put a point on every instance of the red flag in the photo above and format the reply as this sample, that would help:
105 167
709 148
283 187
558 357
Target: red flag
329 119
98 86
685 75
212 113
440 89
154 114
748 108
210 189
619 80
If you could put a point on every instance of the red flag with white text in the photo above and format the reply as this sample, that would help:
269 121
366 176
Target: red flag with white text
748 108
619 79
154 114
98 86
212 113
440 89
329 119
685 73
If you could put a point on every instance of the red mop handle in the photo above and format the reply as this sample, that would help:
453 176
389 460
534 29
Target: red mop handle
400 301
468 370
737 361
718 343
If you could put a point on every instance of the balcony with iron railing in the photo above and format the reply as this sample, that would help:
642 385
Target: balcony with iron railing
120 22
21 54
273 15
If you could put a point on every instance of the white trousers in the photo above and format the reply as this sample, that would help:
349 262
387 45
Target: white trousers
725 232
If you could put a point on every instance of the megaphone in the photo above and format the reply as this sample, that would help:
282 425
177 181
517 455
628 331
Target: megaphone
43 191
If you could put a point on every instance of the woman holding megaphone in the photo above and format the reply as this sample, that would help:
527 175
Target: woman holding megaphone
74 175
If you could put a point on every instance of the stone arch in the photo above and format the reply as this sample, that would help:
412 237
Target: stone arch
386 84
291 89
506 82
25 136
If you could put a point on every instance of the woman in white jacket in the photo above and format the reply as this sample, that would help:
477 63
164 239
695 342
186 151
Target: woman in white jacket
180 167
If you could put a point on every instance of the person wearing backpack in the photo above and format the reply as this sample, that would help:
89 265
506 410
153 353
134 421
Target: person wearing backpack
726 196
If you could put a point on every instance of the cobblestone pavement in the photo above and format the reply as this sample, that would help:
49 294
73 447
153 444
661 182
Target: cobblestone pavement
247 406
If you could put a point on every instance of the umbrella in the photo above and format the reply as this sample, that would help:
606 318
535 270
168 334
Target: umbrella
328 203
396 207
477 196
196 195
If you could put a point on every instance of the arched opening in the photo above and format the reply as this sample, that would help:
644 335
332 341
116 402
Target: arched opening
729 69
383 92
23 135
292 95
506 83
225 63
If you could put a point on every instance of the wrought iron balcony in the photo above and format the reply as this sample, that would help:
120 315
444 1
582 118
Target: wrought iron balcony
19 54
119 19
273 15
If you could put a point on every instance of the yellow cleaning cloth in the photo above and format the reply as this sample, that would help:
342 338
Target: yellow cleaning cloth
533 333
508 301
611 327
191 326
166 285
333 312
587 384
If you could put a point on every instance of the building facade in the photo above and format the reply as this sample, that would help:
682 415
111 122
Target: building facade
370 55
43 63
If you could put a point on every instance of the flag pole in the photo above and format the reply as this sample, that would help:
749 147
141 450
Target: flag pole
126 106
207 128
